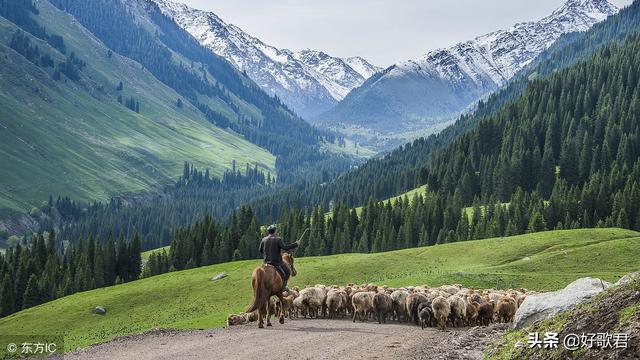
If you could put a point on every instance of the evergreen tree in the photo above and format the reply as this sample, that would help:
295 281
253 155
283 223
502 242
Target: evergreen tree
32 293
7 302
537 223
135 259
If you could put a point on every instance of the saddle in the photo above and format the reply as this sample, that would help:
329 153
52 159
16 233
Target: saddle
279 269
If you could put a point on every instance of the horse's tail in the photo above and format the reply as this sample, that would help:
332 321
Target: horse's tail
260 293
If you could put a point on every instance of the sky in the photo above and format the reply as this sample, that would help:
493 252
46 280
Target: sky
382 31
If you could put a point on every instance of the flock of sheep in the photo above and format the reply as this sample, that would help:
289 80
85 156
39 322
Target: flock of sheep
423 305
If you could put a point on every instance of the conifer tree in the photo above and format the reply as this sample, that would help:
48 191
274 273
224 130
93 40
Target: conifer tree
7 301
32 293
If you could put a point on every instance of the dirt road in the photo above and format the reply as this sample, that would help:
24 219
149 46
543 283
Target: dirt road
300 339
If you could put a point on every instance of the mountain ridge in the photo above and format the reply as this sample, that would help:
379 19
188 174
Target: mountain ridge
309 81
75 136
435 88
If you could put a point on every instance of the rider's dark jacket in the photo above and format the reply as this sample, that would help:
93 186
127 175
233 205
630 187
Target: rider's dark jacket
270 247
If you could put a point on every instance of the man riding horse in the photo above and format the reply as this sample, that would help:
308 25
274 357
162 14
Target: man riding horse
271 278
271 247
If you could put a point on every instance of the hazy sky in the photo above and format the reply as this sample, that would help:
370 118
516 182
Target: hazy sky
382 31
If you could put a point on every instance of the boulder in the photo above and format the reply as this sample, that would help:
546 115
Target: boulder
543 306
99 310
219 276
625 279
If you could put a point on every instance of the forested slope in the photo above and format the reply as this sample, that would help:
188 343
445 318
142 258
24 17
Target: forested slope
79 120
403 169
563 155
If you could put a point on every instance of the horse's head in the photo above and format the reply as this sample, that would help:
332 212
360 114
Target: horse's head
288 258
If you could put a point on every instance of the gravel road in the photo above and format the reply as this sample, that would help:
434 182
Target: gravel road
300 339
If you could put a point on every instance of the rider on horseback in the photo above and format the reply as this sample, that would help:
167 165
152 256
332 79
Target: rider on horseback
270 247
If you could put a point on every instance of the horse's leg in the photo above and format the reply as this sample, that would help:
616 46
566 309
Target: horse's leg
268 318
261 317
281 320
268 313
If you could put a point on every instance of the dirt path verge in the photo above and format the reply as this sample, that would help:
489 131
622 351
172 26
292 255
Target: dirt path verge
300 339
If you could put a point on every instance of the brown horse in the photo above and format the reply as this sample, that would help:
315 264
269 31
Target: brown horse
266 282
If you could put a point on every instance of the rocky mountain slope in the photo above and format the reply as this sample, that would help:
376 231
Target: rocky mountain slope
421 94
308 81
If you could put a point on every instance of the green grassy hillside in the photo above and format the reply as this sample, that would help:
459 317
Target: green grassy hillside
187 299
74 138
405 196
145 254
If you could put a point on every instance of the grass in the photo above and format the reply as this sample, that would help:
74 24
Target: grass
145 254
629 312
74 139
408 196
189 300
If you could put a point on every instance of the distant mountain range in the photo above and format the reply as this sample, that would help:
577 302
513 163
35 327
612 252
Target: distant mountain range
422 95
104 97
308 81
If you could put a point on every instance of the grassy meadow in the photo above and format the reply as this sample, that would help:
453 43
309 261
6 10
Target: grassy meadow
189 300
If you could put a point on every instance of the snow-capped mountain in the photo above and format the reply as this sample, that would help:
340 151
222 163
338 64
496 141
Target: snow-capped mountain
308 81
500 55
421 94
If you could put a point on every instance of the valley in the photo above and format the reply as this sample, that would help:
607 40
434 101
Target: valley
109 149
146 147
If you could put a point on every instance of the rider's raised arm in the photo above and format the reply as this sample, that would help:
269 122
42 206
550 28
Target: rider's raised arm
284 246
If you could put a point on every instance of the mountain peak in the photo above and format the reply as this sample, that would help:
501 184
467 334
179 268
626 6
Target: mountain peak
420 95
309 81
599 9
501 54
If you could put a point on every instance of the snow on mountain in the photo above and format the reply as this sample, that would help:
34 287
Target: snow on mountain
418 96
362 66
498 56
309 81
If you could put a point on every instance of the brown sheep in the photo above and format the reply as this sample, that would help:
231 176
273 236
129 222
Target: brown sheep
506 310
475 297
335 302
313 300
441 311
399 298
485 313
382 306
287 305
472 313
298 307
272 309
362 304
236 319
458 312
346 304
412 303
